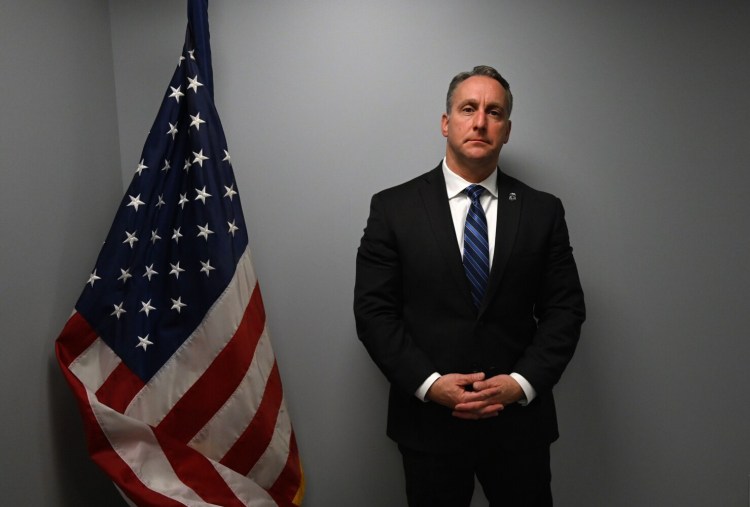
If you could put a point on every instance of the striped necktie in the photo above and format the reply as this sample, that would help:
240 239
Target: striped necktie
476 245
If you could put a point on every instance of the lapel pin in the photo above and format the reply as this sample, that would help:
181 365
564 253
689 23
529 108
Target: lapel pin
512 196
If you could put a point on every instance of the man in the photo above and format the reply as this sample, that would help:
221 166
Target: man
468 299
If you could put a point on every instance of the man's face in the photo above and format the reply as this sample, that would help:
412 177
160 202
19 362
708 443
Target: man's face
478 124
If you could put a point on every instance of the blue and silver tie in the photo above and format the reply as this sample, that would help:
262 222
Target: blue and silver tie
476 245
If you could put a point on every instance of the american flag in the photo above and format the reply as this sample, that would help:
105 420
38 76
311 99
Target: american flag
167 350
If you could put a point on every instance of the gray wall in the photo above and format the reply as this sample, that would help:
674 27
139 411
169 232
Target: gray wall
60 187
635 115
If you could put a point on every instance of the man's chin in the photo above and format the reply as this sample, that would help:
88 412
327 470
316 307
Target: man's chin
478 149
480 156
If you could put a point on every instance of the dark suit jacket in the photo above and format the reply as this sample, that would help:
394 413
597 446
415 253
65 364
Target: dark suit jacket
415 315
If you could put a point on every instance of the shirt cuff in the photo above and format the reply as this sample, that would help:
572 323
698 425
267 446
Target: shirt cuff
527 388
422 391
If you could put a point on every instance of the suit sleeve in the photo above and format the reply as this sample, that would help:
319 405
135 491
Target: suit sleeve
378 304
559 310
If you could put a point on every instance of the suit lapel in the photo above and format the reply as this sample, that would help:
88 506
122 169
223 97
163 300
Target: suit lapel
435 200
509 201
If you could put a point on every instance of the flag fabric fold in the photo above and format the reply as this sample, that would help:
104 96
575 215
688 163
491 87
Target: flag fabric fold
167 351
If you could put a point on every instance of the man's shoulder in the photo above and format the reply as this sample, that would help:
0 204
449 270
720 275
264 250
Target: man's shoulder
517 189
407 188
434 179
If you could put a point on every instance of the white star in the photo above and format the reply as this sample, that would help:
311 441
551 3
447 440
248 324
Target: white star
205 231
149 273
146 307
194 84
207 267
172 130
196 121
176 93
192 56
183 200
202 194
93 278
227 158
199 157
176 234
231 192
119 310
167 166
179 62
130 238
176 270
232 228
141 166
161 201
177 304
187 164
144 342
136 201
154 237
125 275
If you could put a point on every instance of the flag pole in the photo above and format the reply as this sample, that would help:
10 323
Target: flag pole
198 26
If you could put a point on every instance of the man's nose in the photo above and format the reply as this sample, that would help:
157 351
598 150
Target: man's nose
480 120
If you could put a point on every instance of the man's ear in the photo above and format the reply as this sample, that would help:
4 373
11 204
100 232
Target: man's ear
444 124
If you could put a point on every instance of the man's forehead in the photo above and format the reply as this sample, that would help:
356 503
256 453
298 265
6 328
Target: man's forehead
477 87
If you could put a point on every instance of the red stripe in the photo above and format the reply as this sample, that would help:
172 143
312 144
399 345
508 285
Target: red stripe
209 393
206 396
103 454
290 479
119 389
196 472
253 442
75 338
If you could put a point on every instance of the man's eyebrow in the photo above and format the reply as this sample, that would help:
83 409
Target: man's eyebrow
474 102
471 102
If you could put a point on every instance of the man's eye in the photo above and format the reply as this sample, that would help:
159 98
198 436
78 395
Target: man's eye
467 109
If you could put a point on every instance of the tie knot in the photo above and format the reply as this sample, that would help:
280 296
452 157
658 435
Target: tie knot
474 191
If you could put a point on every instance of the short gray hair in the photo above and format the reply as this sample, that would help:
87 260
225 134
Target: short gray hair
479 70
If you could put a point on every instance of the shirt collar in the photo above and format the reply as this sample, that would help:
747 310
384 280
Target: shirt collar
455 184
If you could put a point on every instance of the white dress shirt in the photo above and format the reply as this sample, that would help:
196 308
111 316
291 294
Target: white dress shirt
459 204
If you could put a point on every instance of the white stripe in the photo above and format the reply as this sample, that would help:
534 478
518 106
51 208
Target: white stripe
272 462
137 446
218 436
246 490
194 356
95 364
